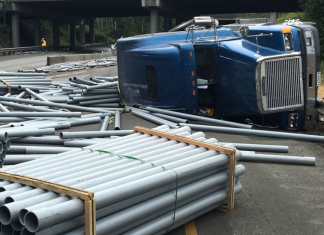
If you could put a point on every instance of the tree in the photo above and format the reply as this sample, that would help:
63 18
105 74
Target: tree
313 10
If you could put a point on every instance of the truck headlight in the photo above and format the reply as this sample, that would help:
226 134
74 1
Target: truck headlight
288 41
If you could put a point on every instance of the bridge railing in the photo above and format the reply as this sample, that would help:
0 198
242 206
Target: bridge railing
11 51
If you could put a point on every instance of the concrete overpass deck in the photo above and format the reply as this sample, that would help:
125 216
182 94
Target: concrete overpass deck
74 12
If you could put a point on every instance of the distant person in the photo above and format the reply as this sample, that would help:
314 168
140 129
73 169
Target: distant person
43 42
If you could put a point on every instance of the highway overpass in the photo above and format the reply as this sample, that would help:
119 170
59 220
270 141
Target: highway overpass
74 12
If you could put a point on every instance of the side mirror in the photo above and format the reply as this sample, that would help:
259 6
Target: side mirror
244 30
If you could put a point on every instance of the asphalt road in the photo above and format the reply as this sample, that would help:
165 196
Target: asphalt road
276 198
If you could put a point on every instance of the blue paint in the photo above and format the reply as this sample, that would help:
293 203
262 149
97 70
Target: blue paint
169 54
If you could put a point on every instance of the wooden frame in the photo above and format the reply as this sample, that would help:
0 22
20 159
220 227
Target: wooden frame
230 151
87 197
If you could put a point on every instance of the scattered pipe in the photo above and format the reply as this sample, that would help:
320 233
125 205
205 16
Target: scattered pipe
198 118
256 132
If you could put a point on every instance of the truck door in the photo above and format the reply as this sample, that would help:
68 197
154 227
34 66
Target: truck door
206 76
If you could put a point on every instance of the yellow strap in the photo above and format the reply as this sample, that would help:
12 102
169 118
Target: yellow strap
121 98
7 84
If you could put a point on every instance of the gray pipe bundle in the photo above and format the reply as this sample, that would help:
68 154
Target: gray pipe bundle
123 187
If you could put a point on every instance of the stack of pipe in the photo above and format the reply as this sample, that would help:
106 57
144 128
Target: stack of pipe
163 182
89 93
16 80
64 67
103 62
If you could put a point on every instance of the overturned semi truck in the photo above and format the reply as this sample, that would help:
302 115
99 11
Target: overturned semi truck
268 73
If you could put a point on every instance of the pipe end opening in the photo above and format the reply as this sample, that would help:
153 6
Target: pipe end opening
31 222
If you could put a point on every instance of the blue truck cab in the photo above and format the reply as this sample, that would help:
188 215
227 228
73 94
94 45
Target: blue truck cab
268 73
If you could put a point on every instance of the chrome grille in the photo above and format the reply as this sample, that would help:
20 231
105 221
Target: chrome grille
281 83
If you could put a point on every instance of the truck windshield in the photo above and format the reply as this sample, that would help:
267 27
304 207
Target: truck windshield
205 64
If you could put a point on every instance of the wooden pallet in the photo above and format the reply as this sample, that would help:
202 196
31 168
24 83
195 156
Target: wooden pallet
229 151
87 197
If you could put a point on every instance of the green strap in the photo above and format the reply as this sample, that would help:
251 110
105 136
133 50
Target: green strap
155 165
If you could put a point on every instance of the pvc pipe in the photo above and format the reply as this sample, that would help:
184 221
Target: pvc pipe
91 134
69 157
3 109
164 222
74 207
38 150
23 133
256 132
260 147
22 74
117 120
119 222
21 95
6 145
79 221
308 161
26 107
101 115
82 81
16 206
114 78
89 88
32 87
84 121
2 146
103 91
165 196
170 118
83 86
90 102
108 105
41 114
39 140
105 123
97 80
4 137
94 97
138 163
42 103
153 119
76 153
3 156
17 159
57 98
82 143
198 118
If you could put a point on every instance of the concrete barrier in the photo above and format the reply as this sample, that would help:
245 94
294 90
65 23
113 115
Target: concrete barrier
79 57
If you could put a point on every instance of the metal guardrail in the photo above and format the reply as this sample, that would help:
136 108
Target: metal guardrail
10 51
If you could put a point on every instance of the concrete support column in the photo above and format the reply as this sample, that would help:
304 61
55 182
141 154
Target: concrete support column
167 22
72 36
82 33
56 33
37 36
15 29
273 17
154 17
92 30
